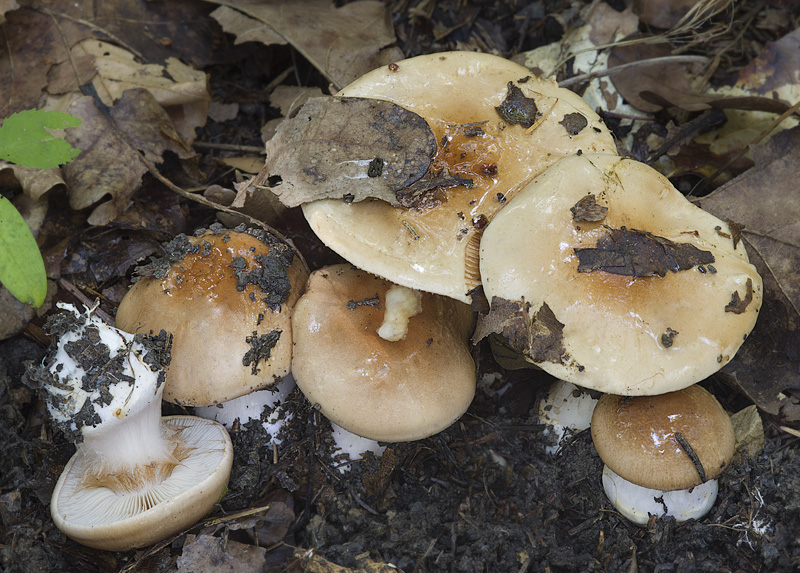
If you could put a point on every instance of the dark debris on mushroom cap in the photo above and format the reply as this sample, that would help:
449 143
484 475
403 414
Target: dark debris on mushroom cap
272 278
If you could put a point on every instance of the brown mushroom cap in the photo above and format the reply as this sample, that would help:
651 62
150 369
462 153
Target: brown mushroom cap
435 248
631 334
382 390
635 436
222 335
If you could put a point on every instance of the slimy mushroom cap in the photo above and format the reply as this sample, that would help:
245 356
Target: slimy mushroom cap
603 274
644 438
226 296
379 389
479 108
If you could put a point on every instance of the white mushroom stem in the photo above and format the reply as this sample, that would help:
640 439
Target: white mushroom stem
136 477
637 503
401 304
125 432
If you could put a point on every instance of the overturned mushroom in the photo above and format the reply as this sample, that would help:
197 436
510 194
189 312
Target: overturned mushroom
603 274
136 477
227 296
497 127
380 389
662 454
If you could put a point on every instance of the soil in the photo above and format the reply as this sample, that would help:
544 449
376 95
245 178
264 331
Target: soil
481 496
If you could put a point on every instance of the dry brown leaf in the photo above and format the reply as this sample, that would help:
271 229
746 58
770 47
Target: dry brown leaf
342 43
775 67
313 563
7 6
179 88
749 431
209 554
670 81
765 200
33 182
110 163
352 148
662 13
32 44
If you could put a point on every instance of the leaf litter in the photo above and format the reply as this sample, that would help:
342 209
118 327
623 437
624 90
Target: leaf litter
481 495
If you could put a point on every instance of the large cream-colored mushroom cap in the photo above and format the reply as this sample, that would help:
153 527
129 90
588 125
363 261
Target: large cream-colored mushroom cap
118 513
632 335
227 342
382 390
435 248
637 437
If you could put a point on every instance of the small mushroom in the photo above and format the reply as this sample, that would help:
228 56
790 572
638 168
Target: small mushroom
136 477
662 454
497 126
603 274
227 297
564 407
376 388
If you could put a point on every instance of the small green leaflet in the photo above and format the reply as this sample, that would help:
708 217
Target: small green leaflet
21 266
25 141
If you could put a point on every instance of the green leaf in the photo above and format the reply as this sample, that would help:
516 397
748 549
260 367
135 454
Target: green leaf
21 265
25 141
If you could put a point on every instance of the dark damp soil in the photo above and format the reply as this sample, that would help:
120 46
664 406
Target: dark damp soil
481 496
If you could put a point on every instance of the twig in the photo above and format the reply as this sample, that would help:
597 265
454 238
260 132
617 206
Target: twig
663 60
230 147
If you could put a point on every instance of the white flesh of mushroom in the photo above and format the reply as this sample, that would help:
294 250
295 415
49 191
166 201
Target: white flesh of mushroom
637 503
401 304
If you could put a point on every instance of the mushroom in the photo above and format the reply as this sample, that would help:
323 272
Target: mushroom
497 125
376 388
227 296
564 407
136 478
268 405
603 274
662 454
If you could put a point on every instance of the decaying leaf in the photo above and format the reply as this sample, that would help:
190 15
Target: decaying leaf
587 209
765 200
635 253
749 431
111 163
208 554
537 336
349 148
343 42
313 563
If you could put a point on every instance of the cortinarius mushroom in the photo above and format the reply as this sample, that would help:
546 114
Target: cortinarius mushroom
136 477
226 296
603 274
662 454
496 125
387 390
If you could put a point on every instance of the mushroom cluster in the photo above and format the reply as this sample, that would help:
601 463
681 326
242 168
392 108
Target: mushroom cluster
595 269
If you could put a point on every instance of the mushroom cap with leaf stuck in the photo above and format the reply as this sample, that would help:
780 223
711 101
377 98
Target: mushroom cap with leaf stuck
495 127
603 274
